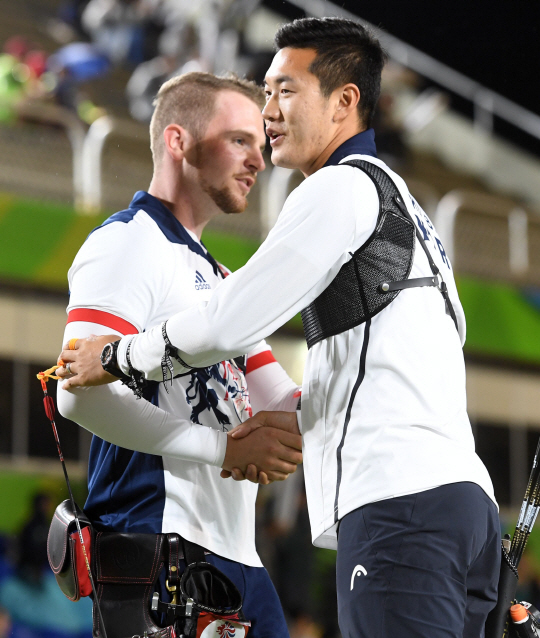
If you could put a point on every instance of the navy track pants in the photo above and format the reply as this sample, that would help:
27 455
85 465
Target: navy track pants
424 565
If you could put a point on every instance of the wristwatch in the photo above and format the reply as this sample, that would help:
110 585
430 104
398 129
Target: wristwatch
109 361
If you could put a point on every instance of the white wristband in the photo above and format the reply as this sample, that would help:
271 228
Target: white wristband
121 358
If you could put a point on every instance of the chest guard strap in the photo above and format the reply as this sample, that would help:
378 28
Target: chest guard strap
376 272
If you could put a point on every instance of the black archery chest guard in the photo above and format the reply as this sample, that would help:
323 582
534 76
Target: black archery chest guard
361 288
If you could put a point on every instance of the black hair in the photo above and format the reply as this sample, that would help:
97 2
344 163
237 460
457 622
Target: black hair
346 53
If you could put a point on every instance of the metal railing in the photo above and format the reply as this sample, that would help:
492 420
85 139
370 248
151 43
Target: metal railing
105 175
489 236
42 153
487 103
92 156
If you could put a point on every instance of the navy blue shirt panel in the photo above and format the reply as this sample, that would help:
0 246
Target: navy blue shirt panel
359 144
126 489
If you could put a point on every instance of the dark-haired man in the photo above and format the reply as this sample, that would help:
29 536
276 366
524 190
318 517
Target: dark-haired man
389 456
155 466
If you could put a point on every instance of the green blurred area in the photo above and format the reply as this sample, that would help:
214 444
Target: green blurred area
230 250
40 241
17 490
501 321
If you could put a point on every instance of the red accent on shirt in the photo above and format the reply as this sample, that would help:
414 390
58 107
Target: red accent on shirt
297 394
259 360
103 318
223 270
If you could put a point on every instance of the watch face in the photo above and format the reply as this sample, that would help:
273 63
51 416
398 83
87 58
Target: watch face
106 354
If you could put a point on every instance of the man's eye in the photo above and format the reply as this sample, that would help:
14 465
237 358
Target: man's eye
285 91
239 140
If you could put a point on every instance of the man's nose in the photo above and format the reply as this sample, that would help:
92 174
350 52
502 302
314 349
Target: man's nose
271 110
256 161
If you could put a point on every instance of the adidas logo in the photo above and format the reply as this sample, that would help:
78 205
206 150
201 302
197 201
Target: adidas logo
200 283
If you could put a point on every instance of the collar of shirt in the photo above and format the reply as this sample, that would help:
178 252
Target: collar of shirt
359 144
169 225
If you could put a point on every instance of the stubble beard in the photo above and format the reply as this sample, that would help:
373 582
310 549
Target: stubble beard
225 200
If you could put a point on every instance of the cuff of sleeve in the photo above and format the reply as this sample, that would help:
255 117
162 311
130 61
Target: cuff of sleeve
121 354
299 419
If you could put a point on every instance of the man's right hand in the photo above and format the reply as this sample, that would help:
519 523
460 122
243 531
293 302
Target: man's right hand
275 453
85 362
286 421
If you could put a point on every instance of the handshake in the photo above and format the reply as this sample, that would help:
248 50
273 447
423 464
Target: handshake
263 449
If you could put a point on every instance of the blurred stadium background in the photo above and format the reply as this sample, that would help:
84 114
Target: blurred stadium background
458 119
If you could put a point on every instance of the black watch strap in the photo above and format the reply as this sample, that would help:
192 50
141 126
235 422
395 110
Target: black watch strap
109 360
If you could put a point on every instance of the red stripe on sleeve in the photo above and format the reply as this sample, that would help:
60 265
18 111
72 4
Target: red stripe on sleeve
259 360
104 318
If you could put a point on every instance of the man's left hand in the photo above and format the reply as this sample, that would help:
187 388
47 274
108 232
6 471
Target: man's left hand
85 367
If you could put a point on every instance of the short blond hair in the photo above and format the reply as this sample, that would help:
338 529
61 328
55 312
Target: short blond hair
189 100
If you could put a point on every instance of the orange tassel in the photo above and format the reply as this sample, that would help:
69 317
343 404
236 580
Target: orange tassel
49 374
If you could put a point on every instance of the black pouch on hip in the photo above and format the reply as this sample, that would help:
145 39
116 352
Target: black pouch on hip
65 553
205 602
498 622
127 567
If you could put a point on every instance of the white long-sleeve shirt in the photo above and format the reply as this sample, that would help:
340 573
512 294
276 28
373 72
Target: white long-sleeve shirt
156 465
383 404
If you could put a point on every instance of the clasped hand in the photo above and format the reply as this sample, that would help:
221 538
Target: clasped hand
266 448
263 449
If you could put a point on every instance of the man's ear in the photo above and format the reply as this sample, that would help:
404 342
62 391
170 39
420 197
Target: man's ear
347 98
176 141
